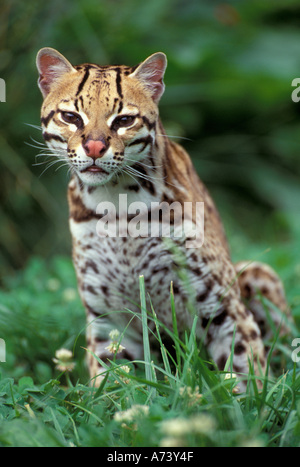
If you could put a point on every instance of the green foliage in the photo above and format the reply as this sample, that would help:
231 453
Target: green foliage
40 312
183 402
229 78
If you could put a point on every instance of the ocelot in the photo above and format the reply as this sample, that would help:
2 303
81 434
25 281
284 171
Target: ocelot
104 122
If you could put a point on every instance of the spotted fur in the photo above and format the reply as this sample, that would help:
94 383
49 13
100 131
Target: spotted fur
104 121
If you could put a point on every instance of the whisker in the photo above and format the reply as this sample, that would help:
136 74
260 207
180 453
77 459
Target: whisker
143 164
141 175
173 136
47 155
136 173
148 177
48 162
52 153
41 143
38 144
62 165
59 155
132 176
70 169
33 126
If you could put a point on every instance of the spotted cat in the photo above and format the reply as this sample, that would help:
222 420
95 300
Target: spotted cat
104 122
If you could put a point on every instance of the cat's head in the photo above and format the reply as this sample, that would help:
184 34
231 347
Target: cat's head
100 118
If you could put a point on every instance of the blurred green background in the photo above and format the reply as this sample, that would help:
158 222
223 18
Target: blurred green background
228 95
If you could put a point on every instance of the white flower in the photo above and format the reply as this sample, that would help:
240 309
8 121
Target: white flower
136 411
125 369
114 347
201 424
193 396
175 427
253 443
69 294
234 379
172 443
114 335
63 360
63 354
53 284
230 376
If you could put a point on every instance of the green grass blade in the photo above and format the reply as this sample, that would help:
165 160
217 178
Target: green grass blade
147 352
175 329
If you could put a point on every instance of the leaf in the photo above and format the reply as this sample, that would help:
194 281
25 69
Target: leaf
26 382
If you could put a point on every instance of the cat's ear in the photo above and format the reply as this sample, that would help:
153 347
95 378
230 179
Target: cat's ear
151 73
51 66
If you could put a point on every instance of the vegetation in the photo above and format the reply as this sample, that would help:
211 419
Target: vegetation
174 399
228 98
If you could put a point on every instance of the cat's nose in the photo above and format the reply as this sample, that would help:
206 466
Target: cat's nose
95 149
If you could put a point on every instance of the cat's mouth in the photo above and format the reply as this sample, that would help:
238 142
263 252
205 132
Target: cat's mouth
94 169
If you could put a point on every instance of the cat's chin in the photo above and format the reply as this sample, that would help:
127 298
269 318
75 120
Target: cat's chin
95 177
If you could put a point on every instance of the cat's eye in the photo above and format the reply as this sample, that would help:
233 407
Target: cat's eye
123 121
72 117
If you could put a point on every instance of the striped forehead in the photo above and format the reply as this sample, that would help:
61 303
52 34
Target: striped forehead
101 84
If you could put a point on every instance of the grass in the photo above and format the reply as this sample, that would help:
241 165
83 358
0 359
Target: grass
175 399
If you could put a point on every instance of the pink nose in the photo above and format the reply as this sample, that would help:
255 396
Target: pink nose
94 149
